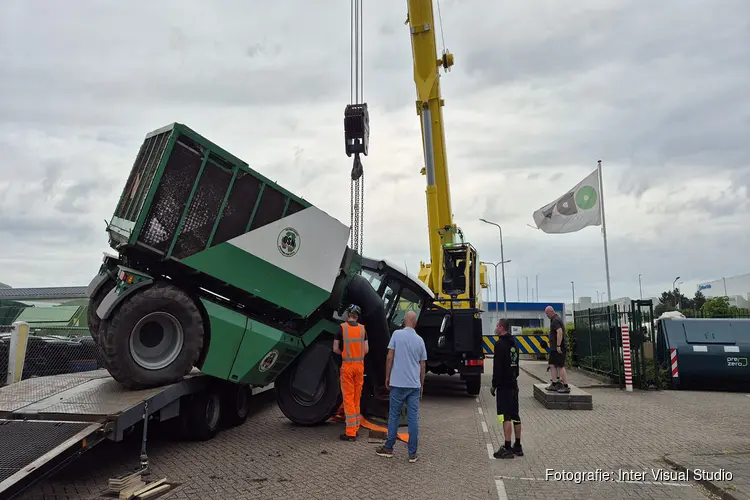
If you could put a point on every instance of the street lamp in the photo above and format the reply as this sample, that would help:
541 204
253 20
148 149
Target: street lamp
502 263
674 282
527 288
518 289
640 286
493 264
674 287
573 286
537 288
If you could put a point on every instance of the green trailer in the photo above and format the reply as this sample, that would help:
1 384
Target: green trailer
218 267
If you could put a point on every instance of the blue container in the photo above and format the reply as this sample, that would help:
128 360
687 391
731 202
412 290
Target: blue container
708 352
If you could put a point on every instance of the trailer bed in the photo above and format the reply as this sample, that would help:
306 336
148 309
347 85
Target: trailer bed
46 422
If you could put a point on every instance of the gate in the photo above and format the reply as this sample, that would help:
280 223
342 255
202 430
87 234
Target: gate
597 340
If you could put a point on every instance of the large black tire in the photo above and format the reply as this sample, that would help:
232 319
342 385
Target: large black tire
200 415
147 316
235 401
474 384
323 405
94 302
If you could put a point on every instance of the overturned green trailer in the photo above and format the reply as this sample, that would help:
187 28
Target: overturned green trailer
220 268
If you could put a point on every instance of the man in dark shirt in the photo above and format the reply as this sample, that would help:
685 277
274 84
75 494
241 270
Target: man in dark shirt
505 387
558 351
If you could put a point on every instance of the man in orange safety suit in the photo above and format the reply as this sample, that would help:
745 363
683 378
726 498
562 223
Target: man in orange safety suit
351 343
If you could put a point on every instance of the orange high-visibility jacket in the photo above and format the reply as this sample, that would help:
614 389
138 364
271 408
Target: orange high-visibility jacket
353 343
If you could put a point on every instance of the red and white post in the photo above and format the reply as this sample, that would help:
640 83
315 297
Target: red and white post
673 360
628 368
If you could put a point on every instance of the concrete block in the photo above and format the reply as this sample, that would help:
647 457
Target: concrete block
576 399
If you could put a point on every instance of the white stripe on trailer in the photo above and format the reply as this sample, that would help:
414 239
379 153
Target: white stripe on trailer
320 247
626 358
731 348
700 348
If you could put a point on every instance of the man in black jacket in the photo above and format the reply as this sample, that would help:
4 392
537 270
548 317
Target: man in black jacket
505 388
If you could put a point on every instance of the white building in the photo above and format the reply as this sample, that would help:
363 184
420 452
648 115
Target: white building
736 288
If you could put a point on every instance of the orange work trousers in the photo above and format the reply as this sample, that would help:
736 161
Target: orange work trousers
352 377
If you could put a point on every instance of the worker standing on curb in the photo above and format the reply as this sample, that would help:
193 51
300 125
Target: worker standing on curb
351 343
505 371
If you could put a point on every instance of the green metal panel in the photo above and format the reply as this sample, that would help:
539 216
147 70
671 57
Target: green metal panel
187 205
324 325
255 208
135 235
263 354
247 272
227 329
235 171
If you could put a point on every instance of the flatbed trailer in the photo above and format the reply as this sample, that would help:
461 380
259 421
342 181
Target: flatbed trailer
47 422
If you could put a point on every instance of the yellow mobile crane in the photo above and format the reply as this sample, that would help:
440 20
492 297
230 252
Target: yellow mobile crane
452 325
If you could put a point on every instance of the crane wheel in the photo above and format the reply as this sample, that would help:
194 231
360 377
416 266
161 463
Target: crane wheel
303 410
235 400
474 384
153 338
94 301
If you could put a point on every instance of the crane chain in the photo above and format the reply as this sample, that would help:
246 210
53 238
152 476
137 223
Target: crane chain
356 82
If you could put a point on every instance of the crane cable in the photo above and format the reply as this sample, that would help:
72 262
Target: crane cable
356 96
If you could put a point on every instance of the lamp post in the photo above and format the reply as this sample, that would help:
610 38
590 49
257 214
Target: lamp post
493 264
640 285
502 263
573 306
537 288
518 289
527 288
674 287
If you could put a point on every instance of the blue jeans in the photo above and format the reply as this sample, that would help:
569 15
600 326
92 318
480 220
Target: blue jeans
399 397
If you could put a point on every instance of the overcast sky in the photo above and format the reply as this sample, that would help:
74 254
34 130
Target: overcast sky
540 90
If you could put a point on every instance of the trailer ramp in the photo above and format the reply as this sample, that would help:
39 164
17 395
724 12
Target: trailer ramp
36 448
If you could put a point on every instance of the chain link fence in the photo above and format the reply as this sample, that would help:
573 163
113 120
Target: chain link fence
52 350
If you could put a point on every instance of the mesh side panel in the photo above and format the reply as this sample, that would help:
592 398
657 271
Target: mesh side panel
203 211
239 208
271 207
149 163
24 442
172 195
293 208
135 173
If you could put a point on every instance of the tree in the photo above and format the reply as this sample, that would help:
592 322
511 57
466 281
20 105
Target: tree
716 307
698 300
672 300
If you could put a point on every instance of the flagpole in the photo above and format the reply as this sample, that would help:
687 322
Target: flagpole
604 229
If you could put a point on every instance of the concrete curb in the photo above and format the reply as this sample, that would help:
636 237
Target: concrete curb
709 485
597 386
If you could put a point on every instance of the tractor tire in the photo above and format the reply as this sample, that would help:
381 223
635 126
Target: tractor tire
235 401
298 408
94 302
474 384
201 415
153 338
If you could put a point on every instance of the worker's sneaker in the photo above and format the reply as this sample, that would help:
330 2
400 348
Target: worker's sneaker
517 450
412 459
344 437
553 386
563 389
504 453
384 452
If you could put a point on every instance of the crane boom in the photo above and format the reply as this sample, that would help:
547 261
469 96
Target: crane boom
443 233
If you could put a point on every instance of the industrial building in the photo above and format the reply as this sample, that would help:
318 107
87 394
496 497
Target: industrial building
736 288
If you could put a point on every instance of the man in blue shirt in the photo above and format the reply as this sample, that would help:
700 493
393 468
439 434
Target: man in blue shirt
404 377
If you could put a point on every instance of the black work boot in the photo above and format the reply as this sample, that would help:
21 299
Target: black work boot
344 437
504 453
517 450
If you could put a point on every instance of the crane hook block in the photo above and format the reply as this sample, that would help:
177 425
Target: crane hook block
356 129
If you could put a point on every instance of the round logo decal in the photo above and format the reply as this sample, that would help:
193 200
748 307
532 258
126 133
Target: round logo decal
288 242
268 361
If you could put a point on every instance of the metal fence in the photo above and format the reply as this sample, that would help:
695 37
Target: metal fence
52 351
597 343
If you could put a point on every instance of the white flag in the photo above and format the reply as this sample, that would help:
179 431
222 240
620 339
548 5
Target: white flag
578 208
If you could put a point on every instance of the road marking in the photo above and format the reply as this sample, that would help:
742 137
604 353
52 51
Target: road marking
651 483
501 493
484 426
480 410
490 451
